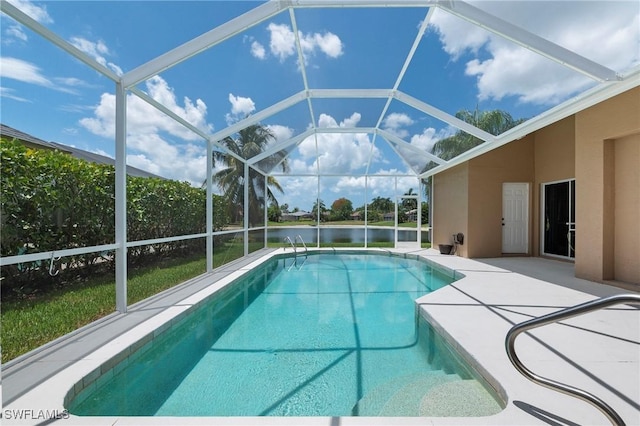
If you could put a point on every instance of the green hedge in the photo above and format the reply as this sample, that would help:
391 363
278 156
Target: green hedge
52 201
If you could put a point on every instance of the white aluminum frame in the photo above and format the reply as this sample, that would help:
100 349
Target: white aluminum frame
610 84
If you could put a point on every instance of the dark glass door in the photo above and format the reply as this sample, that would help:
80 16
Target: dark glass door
559 218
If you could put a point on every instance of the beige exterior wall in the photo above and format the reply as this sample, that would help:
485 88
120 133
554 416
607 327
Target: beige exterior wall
554 161
627 209
604 197
599 147
451 206
509 163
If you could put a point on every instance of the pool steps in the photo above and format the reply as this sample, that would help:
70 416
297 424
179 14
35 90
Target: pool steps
464 398
432 393
375 401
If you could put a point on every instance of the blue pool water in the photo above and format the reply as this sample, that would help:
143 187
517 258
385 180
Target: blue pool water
326 335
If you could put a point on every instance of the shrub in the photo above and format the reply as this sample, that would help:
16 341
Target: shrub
52 201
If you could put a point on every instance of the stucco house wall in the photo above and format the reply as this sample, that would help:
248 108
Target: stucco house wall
607 200
554 157
451 210
599 147
509 163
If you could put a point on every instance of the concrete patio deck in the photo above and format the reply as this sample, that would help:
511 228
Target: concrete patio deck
598 352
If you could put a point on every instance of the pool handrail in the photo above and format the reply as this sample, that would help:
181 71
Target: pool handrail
566 313
302 241
295 251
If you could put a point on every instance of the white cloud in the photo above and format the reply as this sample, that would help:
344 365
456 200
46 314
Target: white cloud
352 187
429 137
605 32
151 134
258 50
395 120
328 43
14 32
98 50
282 43
8 93
281 133
142 162
380 184
458 36
240 108
349 185
337 152
26 72
300 191
240 105
395 123
39 13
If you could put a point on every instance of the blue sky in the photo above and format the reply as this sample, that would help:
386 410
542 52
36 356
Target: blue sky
456 66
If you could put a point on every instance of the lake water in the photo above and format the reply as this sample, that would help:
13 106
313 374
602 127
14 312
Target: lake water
343 234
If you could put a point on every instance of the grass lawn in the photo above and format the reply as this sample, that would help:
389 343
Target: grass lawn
29 323
32 322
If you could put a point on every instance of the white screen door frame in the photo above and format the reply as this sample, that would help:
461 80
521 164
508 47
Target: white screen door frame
412 235
558 227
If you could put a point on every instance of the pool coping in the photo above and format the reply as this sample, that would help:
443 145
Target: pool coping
436 307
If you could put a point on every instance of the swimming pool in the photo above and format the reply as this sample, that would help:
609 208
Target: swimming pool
322 335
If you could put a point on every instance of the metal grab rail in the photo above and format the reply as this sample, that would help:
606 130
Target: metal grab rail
299 237
295 251
583 308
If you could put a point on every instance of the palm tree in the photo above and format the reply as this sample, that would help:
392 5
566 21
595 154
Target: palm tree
410 203
251 141
494 122
319 204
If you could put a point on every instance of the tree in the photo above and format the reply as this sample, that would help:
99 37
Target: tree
378 207
425 213
410 203
274 213
323 209
341 209
251 141
406 205
494 122
381 205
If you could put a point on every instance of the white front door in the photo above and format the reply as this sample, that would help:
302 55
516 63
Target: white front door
515 217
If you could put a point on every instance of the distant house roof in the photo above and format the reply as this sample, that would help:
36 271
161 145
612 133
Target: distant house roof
301 214
26 138
81 154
